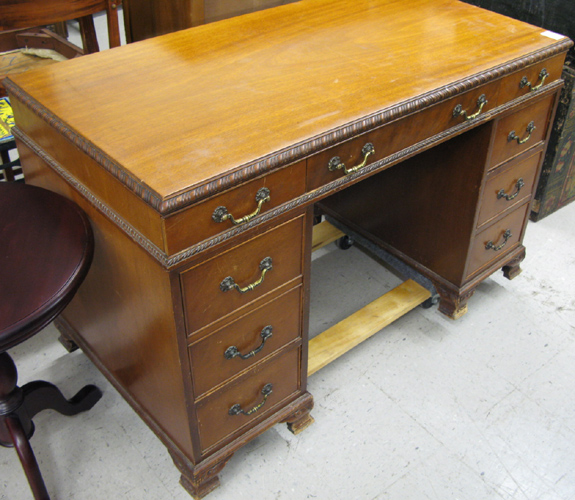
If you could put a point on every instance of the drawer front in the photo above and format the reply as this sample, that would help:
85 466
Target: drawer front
217 420
496 240
396 136
508 187
234 207
210 290
532 78
521 130
238 346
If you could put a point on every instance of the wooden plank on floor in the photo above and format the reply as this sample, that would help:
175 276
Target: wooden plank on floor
323 234
366 322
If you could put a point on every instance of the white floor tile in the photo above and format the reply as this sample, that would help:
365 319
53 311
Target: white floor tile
481 408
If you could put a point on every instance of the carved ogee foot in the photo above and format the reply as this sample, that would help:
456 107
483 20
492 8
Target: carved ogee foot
201 480
301 419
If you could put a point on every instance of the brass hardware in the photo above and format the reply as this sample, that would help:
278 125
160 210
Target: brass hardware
229 283
509 197
491 246
232 351
459 111
512 137
336 164
237 408
221 213
525 83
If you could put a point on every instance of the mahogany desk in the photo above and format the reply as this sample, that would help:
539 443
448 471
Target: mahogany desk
419 124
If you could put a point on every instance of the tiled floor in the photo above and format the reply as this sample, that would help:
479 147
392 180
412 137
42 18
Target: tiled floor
481 408
474 409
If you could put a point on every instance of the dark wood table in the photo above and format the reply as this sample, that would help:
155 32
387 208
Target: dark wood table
46 247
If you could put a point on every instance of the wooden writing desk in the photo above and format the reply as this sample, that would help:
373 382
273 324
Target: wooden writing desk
420 124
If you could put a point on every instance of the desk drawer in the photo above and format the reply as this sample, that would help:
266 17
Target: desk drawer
201 222
496 240
521 130
210 290
217 420
264 330
508 187
522 82
396 135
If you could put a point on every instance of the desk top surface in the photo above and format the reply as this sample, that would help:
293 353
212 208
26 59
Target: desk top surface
180 111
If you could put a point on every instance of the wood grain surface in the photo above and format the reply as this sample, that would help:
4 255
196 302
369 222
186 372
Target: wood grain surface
181 110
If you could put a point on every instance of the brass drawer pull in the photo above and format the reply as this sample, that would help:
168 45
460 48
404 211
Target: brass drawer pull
336 164
232 351
229 283
491 246
509 197
512 137
237 408
221 214
526 83
459 111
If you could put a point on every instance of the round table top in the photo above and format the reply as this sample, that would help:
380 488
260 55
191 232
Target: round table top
46 248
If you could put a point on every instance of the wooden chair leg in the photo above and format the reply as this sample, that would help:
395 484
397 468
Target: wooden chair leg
14 431
19 405
27 458
88 32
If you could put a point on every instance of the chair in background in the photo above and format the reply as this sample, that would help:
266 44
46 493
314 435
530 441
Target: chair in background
23 37
22 28
46 248
25 14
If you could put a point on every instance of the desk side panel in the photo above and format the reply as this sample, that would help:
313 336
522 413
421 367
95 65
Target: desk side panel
122 317
89 172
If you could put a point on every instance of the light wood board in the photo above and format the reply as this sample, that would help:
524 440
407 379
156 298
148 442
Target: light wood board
324 233
348 333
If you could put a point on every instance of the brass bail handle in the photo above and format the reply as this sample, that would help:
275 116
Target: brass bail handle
459 111
237 408
543 74
518 185
336 164
221 214
491 246
513 137
229 283
233 352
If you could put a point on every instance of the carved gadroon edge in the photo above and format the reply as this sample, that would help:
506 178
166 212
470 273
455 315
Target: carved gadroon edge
133 233
366 171
288 155
170 261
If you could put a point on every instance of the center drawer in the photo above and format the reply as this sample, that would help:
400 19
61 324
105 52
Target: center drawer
399 134
236 278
